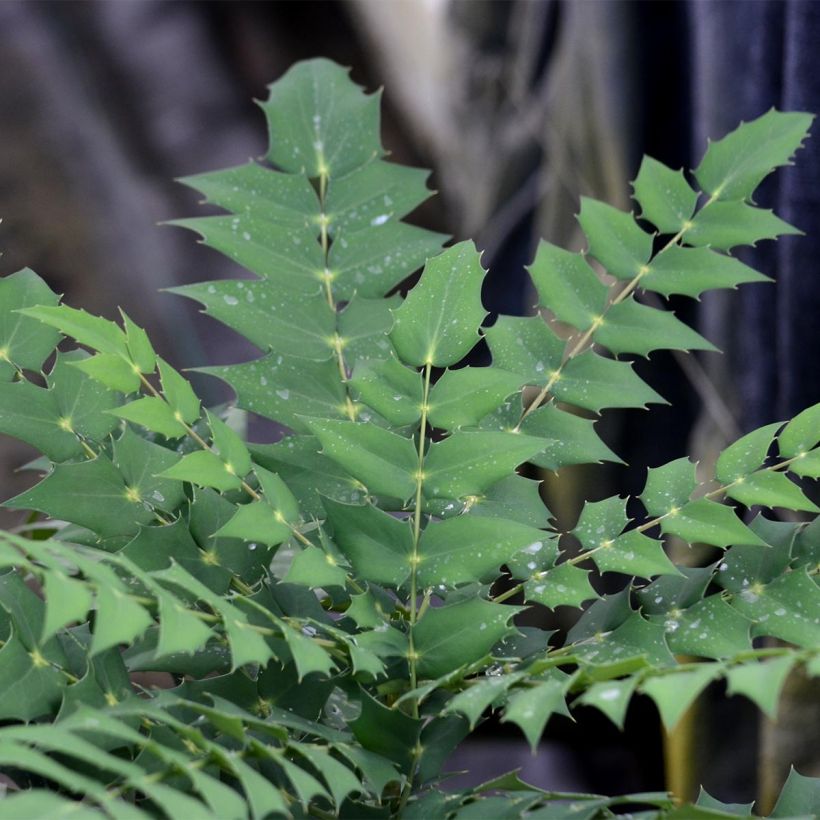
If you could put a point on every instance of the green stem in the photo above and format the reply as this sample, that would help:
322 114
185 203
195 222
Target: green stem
415 612
414 557
337 342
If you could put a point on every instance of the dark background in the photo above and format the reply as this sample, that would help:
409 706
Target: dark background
518 107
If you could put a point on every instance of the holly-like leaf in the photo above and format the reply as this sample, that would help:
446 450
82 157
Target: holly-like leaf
634 638
291 322
525 346
745 455
154 414
308 473
320 123
787 608
515 498
801 434
475 700
229 445
738 809
668 487
205 469
708 522
92 494
287 256
690 271
256 522
438 322
389 733
467 463
675 693
315 568
286 388
615 239
630 327
308 656
25 343
634 554
611 697
67 600
708 629
110 370
30 687
119 620
53 420
156 548
450 636
383 461
799 797
564 585
594 383
373 194
601 522
140 462
378 545
284 199
761 681
567 285
391 389
92 331
771 489
724 225
364 325
666 198
461 398
532 707
179 394
470 548
372 262
734 166
569 439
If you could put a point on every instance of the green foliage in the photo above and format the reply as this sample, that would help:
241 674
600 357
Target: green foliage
340 609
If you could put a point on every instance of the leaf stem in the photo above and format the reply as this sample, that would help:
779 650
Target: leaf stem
414 557
415 612
327 278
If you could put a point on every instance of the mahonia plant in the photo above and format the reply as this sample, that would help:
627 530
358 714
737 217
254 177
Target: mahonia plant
338 609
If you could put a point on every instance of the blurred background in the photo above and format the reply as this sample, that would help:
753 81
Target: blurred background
518 107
